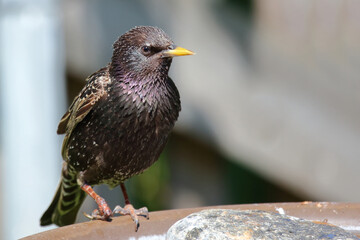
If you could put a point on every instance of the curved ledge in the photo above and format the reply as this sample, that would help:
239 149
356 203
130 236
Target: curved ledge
344 215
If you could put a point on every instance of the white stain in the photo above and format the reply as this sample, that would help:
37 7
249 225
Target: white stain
280 211
150 237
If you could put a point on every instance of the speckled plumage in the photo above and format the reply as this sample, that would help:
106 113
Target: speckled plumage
119 123
116 141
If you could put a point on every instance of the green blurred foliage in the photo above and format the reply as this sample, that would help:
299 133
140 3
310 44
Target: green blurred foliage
151 187
247 186
245 6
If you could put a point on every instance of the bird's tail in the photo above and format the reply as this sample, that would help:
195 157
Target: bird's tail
66 203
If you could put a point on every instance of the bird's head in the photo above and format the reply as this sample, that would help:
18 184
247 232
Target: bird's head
145 50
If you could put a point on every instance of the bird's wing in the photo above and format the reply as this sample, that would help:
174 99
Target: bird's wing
94 90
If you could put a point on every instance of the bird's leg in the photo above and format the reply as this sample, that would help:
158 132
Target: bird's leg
130 210
103 212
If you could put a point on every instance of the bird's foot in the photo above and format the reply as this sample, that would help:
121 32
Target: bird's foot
103 212
134 213
97 215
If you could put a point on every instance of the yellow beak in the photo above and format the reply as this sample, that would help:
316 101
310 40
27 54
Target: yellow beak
177 51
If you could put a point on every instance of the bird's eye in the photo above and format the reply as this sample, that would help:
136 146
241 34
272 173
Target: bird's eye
146 50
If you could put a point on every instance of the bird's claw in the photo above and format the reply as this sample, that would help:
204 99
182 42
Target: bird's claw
96 215
134 213
88 216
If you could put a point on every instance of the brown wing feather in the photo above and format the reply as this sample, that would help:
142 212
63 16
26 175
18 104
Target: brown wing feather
63 123
94 89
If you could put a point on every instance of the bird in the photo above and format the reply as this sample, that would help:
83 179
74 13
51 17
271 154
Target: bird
117 126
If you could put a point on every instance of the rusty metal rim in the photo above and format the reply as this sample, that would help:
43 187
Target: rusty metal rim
344 215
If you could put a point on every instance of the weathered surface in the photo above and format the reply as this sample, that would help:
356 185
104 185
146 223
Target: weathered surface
219 224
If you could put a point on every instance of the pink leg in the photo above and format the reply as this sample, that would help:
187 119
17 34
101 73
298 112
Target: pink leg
130 210
103 212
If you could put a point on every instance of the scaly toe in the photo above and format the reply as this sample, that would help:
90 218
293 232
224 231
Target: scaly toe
96 215
134 213
142 212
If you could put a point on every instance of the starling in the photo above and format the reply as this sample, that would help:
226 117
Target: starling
118 125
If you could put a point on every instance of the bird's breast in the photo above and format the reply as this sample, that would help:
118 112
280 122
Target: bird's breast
124 133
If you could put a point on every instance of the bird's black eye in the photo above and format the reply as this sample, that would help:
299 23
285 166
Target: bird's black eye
146 50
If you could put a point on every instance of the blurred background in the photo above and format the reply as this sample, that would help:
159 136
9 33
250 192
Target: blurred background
270 101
